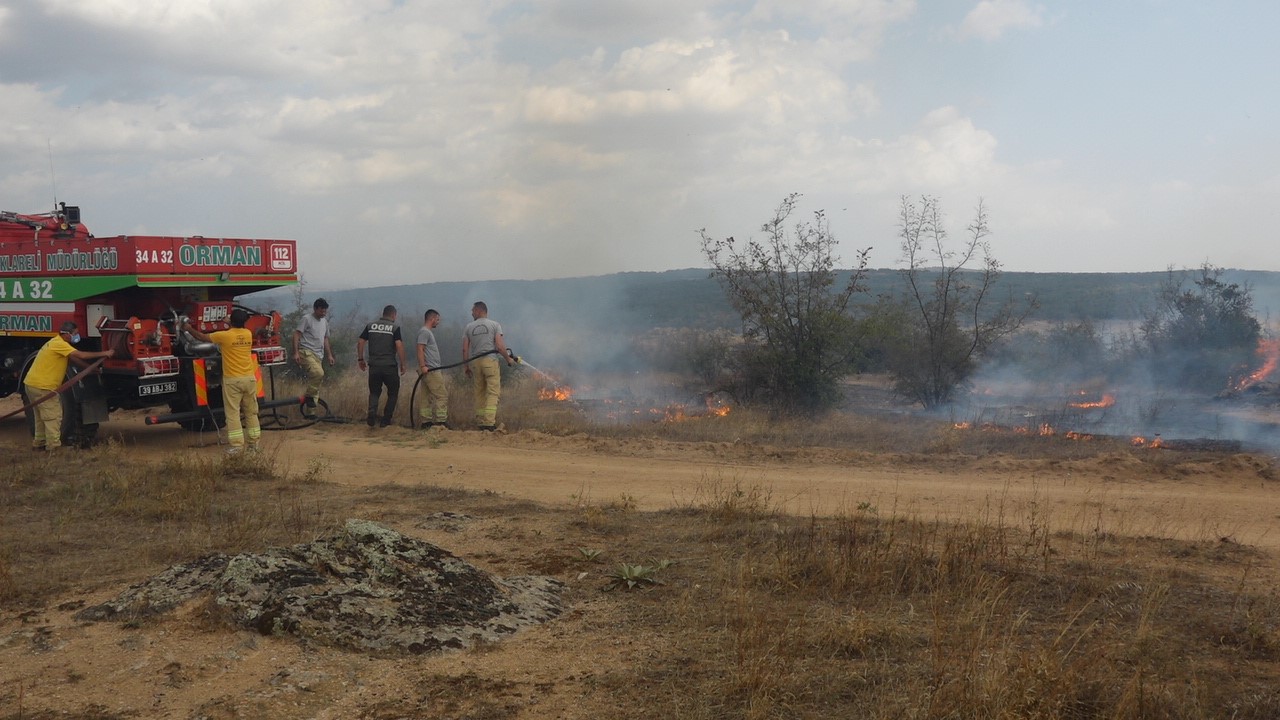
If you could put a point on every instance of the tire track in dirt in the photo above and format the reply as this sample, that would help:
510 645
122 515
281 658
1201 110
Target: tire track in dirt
1099 495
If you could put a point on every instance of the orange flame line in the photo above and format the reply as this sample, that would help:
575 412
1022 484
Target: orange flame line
1269 351
1107 401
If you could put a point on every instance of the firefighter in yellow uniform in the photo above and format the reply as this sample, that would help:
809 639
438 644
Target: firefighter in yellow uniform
482 345
239 381
47 372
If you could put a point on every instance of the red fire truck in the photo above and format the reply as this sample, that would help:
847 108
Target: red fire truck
130 293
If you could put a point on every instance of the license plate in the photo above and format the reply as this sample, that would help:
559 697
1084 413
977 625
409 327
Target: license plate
163 388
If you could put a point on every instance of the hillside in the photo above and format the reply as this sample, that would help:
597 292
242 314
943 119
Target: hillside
591 318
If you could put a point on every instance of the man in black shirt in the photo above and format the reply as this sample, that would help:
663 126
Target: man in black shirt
385 362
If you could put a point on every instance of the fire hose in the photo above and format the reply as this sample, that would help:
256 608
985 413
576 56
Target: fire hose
276 422
57 391
413 394
275 417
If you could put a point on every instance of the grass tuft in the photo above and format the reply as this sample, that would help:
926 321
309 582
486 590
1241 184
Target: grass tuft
141 515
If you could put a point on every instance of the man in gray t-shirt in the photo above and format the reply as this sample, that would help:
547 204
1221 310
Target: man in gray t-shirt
435 408
310 345
482 345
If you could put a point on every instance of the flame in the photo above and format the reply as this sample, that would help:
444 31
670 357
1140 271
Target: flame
671 413
1042 430
621 410
1269 351
679 412
1155 442
558 393
1106 401
715 407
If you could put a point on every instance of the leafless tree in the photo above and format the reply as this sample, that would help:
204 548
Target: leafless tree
950 312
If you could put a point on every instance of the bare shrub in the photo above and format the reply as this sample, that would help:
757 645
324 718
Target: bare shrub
799 339
949 316
731 501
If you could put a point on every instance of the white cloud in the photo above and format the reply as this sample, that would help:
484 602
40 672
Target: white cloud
949 150
559 105
323 44
572 136
852 30
377 117
991 19
622 21
944 154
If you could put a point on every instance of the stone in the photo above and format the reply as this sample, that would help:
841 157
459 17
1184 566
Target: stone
368 589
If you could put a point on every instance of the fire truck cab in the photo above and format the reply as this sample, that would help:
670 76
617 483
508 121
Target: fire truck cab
130 293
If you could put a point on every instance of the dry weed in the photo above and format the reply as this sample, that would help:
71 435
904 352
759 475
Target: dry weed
885 617
731 500
94 514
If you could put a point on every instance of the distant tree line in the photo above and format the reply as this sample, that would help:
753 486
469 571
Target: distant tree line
802 334
1198 332
780 322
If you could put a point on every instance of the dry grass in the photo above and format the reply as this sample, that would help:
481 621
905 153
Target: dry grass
98 515
753 614
915 437
861 616
348 398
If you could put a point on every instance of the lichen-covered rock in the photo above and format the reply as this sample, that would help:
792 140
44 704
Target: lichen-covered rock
368 588
163 592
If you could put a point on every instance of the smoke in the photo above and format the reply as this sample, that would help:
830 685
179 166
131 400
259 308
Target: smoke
1111 379
594 334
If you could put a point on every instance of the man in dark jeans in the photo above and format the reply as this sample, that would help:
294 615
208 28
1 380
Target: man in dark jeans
385 362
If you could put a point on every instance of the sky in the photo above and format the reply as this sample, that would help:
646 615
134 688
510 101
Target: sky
413 141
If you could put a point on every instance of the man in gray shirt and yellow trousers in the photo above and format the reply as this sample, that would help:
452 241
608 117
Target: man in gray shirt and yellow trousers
481 344
310 346
435 411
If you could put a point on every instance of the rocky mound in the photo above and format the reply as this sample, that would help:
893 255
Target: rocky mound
368 588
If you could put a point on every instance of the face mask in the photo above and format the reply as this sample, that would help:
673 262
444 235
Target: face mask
75 338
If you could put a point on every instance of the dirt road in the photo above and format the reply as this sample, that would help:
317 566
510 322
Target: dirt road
1220 497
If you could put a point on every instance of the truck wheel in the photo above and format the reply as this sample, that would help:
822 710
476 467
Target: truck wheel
78 406
75 432
22 392
30 413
